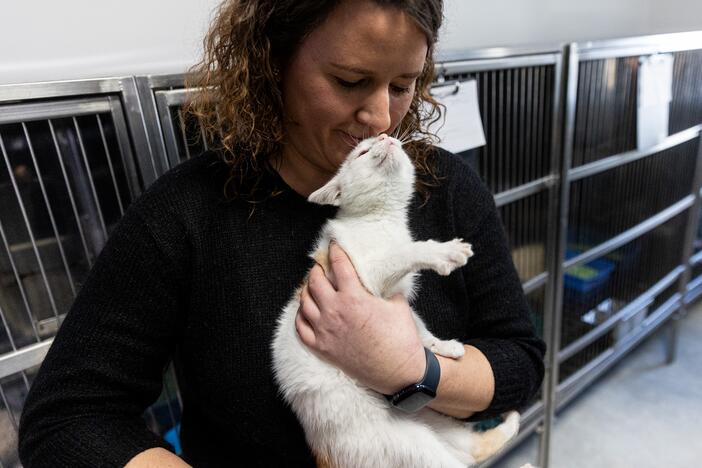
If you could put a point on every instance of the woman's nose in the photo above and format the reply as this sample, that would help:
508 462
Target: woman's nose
375 112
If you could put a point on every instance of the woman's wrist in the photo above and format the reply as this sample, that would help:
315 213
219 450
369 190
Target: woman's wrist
467 384
408 373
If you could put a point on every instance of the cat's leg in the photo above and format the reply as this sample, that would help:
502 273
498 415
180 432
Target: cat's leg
469 446
489 442
442 257
447 348
391 442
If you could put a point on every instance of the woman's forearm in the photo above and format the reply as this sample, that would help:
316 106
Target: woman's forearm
467 384
156 458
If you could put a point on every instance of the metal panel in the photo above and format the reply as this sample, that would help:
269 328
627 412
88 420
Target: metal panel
613 187
564 129
585 376
523 191
13 390
606 93
523 163
610 162
611 244
526 222
596 291
686 106
516 106
447 68
26 358
607 204
651 299
65 182
179 135
45 90
183 136
641 45
147 140
52 110
169 128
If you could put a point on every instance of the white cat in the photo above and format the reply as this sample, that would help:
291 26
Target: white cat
347 425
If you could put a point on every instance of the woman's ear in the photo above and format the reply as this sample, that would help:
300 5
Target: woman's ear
328 194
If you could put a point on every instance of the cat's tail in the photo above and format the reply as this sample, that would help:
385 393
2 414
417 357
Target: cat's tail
489 442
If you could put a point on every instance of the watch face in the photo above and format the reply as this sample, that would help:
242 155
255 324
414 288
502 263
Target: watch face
415 400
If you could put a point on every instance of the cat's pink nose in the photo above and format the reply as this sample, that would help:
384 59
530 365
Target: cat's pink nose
382 136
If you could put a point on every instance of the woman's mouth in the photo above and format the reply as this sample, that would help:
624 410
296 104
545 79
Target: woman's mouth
350 139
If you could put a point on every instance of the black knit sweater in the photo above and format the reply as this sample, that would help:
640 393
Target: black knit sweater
191 277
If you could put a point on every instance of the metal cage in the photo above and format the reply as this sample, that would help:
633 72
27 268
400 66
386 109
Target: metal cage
74 159
604 235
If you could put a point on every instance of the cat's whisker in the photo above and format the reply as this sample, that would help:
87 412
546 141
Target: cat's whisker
396 132
349 140
402 133
405 135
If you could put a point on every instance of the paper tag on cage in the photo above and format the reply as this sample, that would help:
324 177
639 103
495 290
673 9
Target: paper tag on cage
461 127
655 91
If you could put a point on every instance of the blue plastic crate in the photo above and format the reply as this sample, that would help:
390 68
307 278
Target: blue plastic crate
588 277
173 438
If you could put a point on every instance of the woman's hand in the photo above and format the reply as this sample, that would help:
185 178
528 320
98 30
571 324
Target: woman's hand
373 340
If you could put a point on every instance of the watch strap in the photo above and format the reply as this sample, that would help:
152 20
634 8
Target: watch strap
428 385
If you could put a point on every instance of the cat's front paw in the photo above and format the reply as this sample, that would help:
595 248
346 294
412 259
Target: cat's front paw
451 255
448 348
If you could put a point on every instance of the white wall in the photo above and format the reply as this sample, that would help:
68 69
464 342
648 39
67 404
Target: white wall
471 24
675 15
42 40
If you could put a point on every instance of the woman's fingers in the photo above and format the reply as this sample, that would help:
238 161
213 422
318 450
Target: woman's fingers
319 288
305 330
308 307
307 314
342 268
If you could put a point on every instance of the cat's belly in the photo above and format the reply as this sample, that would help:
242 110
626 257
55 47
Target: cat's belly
348 425
316 390
370 265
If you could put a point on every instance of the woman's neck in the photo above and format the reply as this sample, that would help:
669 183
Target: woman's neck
303 176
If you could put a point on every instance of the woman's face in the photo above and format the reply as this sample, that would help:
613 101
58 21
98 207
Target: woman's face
352 77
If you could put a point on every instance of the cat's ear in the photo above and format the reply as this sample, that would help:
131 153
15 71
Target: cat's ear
329 194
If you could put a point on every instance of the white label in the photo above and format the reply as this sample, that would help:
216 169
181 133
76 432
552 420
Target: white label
655 91
461 128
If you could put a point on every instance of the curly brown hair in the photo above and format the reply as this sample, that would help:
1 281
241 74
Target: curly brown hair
238 102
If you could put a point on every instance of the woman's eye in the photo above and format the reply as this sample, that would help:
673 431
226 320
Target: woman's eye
399 89
348 84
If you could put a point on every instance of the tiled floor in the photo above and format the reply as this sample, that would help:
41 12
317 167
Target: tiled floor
641 414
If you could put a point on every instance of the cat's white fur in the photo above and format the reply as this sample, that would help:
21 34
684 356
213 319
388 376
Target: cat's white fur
346 424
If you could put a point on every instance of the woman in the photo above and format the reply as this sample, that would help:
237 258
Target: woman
201 278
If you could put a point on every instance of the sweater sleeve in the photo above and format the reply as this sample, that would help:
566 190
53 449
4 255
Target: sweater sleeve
500 324
106 364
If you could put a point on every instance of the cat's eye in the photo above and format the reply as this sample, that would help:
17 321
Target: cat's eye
363 152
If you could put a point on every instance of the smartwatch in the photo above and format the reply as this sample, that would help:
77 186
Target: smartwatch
416 396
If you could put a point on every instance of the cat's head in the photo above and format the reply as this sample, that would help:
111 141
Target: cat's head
377 174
